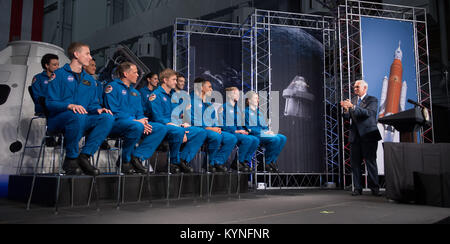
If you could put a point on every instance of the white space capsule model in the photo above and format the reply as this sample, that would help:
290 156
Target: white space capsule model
298 99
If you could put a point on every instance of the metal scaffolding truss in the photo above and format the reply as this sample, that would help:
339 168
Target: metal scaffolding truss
350 71
181 53
307 21
248 40
290 181
424 73
385 11
203 27
351 65
331 103
262 66
262 22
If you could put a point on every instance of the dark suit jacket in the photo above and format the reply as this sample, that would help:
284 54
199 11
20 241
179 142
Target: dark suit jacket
364 120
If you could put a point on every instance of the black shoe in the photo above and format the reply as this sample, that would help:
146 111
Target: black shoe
71 167
85 165
127 168
211 169
174 169
185 167
220 168
138 167
357 193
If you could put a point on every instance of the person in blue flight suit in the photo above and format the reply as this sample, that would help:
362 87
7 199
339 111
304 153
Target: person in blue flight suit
50 63
91 69
150 82
180 95
125 103
74 110
256 124
162 107
181 83
233 123
220 143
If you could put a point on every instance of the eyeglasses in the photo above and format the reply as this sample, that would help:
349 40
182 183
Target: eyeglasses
357 86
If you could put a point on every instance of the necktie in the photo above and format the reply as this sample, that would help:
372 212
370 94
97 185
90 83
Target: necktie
359 101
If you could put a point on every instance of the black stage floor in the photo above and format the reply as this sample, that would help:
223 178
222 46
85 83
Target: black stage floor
272 207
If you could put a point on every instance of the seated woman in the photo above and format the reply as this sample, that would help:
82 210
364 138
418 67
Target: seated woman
256 125
146 88
233 124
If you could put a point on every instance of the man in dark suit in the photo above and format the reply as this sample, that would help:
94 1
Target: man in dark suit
364 136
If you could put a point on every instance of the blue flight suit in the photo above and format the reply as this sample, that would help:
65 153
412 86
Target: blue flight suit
161 110
40 89
100 88
221 145
146 99
247 143
126 105
79 89
257 126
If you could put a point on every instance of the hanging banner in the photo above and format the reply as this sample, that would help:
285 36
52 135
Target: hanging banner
298 75
389 67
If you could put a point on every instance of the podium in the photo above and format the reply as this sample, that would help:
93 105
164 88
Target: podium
418 173
407 122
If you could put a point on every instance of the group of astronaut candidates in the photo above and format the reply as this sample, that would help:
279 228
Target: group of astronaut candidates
78 105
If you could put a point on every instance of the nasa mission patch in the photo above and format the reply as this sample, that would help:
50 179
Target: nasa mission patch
52 77
86 83
108 89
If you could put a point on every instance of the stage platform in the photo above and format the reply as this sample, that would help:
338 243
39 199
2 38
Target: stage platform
262 207
83 191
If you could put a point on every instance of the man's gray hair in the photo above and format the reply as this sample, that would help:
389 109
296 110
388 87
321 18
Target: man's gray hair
363 83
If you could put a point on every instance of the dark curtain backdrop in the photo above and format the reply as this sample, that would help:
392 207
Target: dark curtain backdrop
216 58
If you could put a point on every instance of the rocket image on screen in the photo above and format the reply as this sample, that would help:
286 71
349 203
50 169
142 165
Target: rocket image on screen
393 95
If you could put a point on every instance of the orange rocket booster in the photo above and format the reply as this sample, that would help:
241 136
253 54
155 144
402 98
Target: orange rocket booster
395 88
